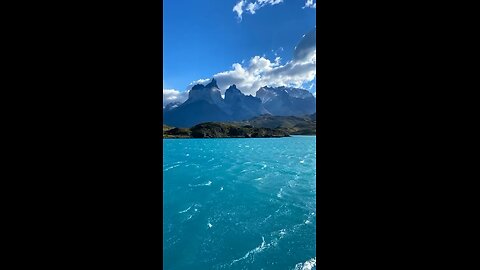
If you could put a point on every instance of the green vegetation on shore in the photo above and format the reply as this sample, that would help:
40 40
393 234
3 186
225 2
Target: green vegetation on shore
264 126
294 125
223 130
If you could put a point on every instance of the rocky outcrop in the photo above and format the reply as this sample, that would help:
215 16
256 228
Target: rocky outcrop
287 101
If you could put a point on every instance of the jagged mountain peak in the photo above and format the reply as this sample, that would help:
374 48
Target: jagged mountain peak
208 93
205 103
198 86
212 84
285 100
233 89
284 90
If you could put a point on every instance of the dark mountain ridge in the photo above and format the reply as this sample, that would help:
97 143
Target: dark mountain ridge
222 130
295 125
242 106
205 104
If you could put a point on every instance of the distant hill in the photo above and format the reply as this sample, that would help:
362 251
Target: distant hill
295 125
260 126
223 130
176 133
205 104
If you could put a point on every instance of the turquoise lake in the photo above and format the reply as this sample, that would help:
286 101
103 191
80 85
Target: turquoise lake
239 203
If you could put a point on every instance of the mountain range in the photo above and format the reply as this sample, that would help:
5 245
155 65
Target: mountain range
205 104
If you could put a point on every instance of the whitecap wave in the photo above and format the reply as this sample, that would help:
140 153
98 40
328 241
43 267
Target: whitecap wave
276 237
276 211
279 194
269 216
171 167
308 265
183 211
252 252
199 185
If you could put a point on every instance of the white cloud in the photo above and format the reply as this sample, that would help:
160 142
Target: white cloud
306 48
261 71
255 5
172 95
238 8
271 2
310 4
252 7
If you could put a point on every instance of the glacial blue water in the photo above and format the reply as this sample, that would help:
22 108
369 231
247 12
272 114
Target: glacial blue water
239 203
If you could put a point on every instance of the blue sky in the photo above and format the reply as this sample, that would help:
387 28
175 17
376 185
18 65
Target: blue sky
202 38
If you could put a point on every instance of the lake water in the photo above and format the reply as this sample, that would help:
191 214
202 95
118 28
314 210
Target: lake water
239 203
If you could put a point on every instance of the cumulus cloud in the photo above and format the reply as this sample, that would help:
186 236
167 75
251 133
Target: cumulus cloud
306 48
252 7
261 71
310 4
172 95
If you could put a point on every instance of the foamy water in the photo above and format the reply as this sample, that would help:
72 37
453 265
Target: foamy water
239 203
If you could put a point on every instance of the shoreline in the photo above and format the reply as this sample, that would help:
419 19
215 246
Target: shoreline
226 137
241 137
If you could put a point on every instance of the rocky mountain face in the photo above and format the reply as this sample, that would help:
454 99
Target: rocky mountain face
190 114
172 105
209 93
205 104
242 106
287 101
